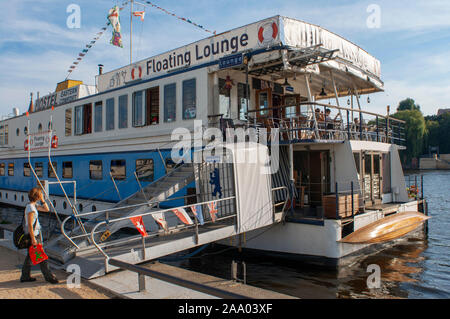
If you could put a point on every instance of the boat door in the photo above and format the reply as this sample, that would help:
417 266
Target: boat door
264 102
319 173
372 177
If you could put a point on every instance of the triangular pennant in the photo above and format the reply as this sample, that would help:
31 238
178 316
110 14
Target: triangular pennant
183 216
138 222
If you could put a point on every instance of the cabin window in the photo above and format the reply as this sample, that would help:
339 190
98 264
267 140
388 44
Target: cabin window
189 99
3 134
98 115
118 169
138 109
68 122
39 169
26 170
170 102
2 169
243 101
123 111
145 169
224 100
10 169
67 170
17 132
40 127
96 169
152 106
110 114
50 171
83 119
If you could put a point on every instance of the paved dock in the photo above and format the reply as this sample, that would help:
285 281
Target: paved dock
117 284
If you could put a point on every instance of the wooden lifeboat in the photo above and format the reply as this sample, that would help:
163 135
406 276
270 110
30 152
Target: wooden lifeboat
386 229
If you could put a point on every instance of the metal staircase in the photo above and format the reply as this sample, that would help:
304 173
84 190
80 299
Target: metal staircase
145 200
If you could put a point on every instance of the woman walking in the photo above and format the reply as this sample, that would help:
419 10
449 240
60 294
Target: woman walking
33 227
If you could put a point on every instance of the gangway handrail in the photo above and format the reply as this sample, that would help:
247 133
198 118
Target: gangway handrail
146 214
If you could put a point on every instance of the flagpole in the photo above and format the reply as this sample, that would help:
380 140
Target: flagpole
131 32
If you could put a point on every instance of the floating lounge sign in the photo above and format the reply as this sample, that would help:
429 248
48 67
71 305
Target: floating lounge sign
252 36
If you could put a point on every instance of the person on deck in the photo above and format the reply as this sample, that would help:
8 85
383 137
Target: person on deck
33 227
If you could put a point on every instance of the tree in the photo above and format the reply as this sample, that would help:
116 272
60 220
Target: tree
408 104
414 131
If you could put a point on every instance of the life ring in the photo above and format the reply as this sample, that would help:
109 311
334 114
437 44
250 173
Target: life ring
262 29
54 141
140 72
25 145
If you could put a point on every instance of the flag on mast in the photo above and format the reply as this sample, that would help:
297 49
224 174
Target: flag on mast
113 18
139 14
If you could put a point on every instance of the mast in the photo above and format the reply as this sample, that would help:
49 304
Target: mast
131 32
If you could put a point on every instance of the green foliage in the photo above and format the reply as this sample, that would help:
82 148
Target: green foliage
438 132
408 104
414 130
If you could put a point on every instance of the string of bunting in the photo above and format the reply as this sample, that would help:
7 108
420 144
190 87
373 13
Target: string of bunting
88 46
180 18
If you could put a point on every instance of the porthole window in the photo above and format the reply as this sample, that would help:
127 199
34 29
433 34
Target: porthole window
15 197
25 130
0 194
23 198
54 203
40 127
64 205
94 208
17 132
6 195
80 207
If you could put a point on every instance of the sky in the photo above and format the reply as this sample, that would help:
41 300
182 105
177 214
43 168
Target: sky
410 38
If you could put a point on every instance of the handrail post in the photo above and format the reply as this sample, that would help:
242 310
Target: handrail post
353 208
377 127
348 125
337 201
360 126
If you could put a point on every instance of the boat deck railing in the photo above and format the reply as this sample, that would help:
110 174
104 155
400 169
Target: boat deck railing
306 122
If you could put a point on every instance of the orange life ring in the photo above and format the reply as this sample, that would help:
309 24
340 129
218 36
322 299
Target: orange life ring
25 145
54 141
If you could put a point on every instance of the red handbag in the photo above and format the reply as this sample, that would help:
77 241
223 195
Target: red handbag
37 254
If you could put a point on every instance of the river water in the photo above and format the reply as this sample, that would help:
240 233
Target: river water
415 267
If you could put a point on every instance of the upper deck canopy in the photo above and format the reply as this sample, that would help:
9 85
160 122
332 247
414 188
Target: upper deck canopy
351 65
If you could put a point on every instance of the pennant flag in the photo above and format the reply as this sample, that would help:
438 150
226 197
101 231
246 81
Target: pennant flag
160 220
183 216
139 14
212 210
113 18
197 211
81 54
137 221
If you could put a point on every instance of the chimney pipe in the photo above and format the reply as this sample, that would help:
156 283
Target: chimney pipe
100 69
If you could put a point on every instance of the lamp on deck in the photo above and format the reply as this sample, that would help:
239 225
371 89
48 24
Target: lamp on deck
322 93
286 83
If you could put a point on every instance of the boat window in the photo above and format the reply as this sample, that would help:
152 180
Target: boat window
152 106
10 169
145 169
2 169
98 114
138 109
243 101
123 111
50 171
170 102
189 99
17 132
50 126
96 169
26 170
118 169
39 169
3 134
40 127
110 114
83 119
67 170
224 100
68 122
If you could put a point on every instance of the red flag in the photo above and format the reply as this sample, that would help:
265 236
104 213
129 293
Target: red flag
139 14
137 221
212 210
37 254
183 216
